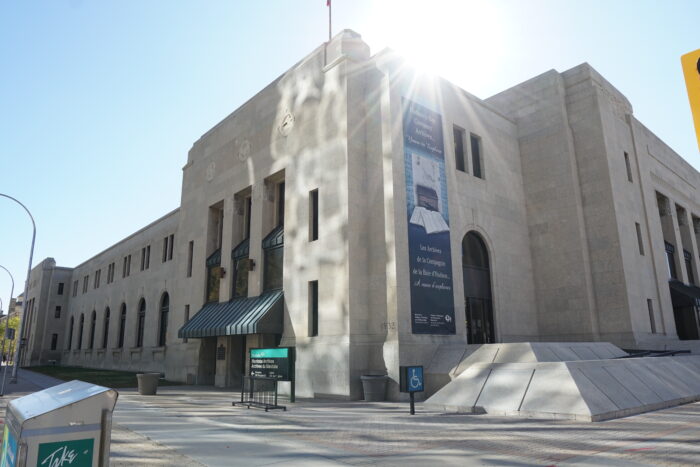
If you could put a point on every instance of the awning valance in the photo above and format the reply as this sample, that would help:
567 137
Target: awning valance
684 295
254 315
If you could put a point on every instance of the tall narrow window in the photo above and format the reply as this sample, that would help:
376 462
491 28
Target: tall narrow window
640 243
273 255
187 319
170 246
628 167
75 288
86 281
124 267
313 308
280 203
313 215
140 323
70 333
54 341
128 265
670 260
689 266
241 267
98 274
122 325
143 258
105 329
164 309
652 321
213 276
80 331
93 322
247 214
60 288
190 254
477 156
165 249
148 256
57 312
460 160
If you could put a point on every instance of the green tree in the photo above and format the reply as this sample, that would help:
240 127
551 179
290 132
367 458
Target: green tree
14 324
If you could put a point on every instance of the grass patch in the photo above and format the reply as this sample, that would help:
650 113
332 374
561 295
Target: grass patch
107 378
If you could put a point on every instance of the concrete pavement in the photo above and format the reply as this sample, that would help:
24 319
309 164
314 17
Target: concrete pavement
189 425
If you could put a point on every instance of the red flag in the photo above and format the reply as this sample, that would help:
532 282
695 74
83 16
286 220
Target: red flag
328 2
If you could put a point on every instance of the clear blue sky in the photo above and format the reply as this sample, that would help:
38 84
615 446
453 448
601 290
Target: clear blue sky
101 100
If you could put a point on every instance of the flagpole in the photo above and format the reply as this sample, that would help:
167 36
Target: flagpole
329 20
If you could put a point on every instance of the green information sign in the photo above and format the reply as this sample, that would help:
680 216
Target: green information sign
76 453
272 363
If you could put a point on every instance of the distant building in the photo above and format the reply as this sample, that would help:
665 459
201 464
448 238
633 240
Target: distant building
372 216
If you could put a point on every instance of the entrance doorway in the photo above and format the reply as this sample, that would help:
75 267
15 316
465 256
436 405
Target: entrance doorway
476 274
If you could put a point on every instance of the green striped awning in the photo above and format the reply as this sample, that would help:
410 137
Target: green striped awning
253 315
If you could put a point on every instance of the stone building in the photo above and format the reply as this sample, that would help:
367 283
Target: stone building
372 216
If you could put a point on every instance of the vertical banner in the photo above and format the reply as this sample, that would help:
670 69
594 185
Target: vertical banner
432 300
691 71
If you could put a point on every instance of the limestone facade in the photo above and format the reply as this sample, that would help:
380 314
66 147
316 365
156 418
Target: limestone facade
555 176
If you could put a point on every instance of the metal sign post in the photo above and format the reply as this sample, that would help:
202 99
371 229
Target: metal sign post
411 381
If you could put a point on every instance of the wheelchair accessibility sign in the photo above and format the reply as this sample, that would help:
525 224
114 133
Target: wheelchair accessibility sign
411 379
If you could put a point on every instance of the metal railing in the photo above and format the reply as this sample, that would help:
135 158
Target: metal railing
259 392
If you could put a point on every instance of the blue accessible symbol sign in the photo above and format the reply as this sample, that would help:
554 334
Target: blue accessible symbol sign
411 379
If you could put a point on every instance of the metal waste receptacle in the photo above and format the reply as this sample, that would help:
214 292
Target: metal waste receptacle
68 424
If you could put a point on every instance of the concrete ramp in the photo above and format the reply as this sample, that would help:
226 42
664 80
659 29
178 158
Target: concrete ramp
591 390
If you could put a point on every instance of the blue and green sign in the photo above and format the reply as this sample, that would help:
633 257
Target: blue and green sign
76 453
9 449
275 363
430 261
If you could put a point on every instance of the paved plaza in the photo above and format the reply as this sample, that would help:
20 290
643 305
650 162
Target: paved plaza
189 425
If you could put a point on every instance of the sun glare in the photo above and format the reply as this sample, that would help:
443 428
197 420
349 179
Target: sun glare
458 40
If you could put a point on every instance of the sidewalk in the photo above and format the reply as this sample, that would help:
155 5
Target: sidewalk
194 425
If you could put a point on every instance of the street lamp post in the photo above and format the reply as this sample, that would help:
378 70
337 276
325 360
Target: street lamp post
18 348
7 325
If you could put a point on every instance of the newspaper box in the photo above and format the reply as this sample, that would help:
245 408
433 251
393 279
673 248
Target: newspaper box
68 424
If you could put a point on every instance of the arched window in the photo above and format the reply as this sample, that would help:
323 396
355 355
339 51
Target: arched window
105 329
476 275
80 331
164 309
70 333
141 323
122 325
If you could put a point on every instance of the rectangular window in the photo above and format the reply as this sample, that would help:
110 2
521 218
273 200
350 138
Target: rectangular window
143 258
86 280
187 319
639 238
313 308
313 215
54 341
248 209
165 249
629 167
477 157
241 267
460 162
280 203
670 260
57 312
98 276
170 247
75 288
652 322
689 266
148 256
190 254
272 274
124 267
110 273
60 288
213 283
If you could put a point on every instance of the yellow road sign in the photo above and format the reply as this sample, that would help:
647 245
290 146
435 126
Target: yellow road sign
691 70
